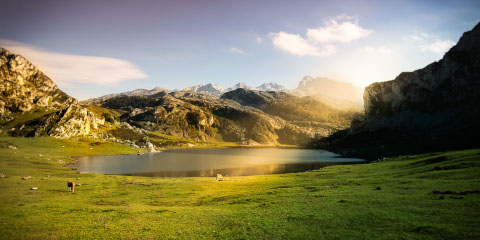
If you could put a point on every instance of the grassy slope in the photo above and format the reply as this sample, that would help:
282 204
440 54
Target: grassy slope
334 202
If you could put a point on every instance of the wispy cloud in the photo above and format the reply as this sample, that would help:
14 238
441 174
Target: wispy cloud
259 40
68 69
321 41
438 46
236 50
297 45
334 31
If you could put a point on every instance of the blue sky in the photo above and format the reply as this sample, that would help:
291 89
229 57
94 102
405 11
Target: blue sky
92 48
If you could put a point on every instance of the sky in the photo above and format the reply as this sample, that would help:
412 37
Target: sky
93 48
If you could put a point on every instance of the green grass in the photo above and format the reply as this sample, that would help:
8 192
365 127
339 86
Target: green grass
428 196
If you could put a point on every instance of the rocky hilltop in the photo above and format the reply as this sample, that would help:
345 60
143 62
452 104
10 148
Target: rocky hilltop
31 103
24 87
431 108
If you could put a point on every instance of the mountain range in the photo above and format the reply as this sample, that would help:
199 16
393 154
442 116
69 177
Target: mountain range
32 105
338 94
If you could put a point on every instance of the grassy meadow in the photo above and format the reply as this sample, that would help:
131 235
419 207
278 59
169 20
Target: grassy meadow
427 196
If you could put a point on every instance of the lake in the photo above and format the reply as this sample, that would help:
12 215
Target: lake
210 162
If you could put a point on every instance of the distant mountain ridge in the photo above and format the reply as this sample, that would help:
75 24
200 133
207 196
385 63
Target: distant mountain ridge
338 94
217 91
210 88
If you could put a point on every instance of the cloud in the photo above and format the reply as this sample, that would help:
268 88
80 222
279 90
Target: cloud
383 50
334 31
297 45
439 46
68 69
321 41
294 44
259 40
236 50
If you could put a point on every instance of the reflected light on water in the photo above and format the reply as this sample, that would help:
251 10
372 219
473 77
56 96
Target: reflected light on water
210 162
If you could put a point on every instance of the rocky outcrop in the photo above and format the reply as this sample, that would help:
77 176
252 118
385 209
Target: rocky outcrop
33 101
434 108
24 87
174 117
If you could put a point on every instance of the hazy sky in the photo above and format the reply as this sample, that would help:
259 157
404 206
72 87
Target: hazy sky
91 48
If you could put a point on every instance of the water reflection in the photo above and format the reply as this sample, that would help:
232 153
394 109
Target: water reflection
209 162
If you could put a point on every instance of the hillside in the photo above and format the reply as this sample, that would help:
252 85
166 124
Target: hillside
244 116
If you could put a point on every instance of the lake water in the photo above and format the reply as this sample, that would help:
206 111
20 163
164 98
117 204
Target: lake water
210 162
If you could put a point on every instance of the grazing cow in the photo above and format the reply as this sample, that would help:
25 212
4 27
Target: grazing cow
71 186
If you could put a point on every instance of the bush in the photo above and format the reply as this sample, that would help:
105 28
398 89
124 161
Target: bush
108 117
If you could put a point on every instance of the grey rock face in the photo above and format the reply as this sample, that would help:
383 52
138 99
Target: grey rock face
445 94
23 86
25 90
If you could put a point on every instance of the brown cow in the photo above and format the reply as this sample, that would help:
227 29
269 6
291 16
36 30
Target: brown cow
71 186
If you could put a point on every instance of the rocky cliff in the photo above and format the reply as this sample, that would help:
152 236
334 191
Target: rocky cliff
434 108
32 105
444 94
